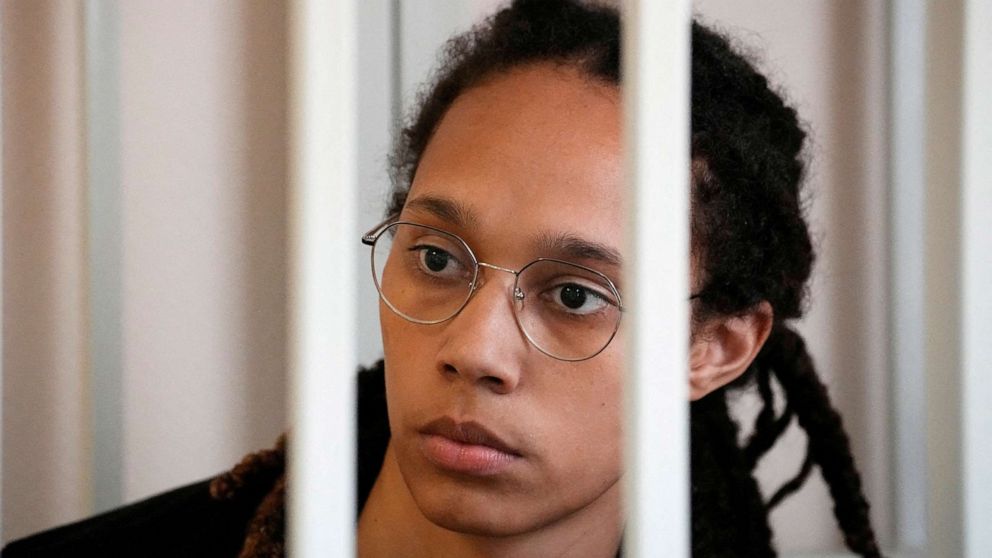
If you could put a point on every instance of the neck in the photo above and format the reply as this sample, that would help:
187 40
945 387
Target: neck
391 524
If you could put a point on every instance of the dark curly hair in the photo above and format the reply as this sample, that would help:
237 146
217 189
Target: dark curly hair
749 239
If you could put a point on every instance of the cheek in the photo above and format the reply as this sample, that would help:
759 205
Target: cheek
390 325
586 441
408 354
403 341
593 419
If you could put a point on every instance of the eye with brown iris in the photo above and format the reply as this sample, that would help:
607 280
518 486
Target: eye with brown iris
573 296
436 260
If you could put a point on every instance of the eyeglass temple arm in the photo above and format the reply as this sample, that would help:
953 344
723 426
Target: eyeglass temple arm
368 238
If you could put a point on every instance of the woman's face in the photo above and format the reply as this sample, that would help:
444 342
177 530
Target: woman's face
525 165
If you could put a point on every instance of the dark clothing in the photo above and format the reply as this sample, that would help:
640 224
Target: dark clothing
183 522
188 522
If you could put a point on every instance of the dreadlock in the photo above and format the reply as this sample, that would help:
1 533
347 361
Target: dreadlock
829 447
749 239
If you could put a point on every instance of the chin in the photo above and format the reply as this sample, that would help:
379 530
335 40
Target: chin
500 505
485 515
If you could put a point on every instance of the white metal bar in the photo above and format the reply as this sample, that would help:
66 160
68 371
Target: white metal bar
942 278
3 258
907 324
976 269
322 119
103 224
656 40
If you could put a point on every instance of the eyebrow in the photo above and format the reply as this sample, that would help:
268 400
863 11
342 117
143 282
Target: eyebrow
445 209
576 247
566 245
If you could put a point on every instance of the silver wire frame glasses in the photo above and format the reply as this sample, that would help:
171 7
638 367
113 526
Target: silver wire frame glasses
427 276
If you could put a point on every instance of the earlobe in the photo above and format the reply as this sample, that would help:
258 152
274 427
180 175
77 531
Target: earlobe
724 349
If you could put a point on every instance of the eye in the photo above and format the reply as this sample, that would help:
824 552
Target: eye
435 259
577 299
438 262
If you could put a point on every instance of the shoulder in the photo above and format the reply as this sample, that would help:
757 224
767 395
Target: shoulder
182 522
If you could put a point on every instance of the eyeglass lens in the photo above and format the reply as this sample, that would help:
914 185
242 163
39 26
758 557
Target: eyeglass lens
426 276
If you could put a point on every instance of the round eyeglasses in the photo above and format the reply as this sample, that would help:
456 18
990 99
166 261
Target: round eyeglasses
427 275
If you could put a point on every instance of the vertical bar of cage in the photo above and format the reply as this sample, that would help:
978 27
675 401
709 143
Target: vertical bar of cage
907 321
322 205
3 258
976 287
656 42
942 278
103 273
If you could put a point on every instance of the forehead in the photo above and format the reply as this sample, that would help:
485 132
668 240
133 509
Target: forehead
532 151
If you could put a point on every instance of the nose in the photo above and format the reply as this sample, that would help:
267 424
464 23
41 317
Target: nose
483 344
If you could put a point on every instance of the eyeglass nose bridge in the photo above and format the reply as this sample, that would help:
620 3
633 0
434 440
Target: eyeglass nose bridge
518 294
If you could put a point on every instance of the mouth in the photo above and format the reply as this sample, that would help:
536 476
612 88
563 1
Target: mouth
466 447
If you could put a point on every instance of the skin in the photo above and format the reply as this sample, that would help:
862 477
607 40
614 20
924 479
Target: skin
531 152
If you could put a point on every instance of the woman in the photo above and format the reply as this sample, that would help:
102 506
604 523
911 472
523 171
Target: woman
500 274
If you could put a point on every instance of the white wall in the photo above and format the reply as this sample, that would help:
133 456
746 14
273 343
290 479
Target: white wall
203 169
378 113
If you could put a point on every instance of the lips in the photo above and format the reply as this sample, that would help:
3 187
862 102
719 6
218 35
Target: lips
466 447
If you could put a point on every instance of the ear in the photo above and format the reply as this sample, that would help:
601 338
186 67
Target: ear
724 348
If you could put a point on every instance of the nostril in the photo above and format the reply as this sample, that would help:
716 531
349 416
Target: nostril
493 382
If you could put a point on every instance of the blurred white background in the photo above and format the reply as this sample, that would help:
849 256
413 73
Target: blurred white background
144 236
